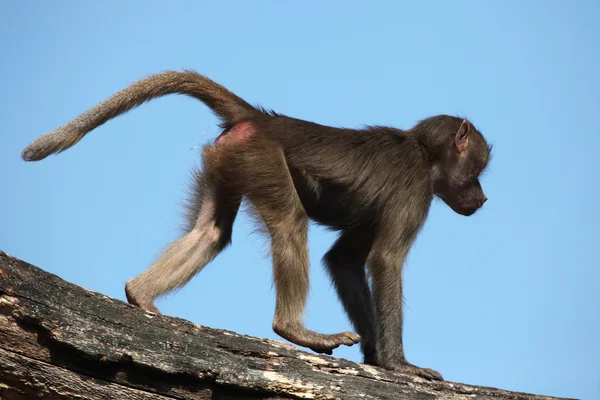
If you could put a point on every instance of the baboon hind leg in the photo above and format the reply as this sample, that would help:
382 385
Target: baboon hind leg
213 210
262 172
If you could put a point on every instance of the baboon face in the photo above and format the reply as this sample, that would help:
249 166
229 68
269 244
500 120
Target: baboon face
456 176
464 200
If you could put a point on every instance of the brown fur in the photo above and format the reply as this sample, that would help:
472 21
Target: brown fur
374 185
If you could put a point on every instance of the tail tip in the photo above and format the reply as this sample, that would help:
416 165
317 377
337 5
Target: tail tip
30 154
27 154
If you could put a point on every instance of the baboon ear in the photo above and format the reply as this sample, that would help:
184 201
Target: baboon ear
461 139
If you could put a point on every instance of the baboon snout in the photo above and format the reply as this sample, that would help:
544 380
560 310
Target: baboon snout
483 200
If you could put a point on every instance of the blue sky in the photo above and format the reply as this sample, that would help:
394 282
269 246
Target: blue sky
506 298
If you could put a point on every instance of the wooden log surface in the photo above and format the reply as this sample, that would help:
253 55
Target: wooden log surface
61 341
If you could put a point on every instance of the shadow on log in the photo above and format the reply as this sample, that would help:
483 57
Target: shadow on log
61 341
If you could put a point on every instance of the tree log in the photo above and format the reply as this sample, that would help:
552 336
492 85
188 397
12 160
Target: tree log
61 341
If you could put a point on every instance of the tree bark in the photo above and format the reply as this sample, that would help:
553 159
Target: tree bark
61 341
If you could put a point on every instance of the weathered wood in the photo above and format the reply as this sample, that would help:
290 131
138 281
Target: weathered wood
27 378
61 341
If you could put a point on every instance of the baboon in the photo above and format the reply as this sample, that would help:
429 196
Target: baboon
373 185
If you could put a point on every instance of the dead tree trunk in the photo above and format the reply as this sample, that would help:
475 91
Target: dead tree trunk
61 341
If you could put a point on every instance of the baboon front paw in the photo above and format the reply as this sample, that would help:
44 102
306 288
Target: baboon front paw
426 373
136 300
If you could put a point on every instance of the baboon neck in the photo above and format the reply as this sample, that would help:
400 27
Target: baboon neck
435 134
432 145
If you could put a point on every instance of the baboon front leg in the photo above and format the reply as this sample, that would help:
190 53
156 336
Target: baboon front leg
345 263
385 261
187 255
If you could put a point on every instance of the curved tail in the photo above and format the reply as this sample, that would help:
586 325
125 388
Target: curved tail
227 106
